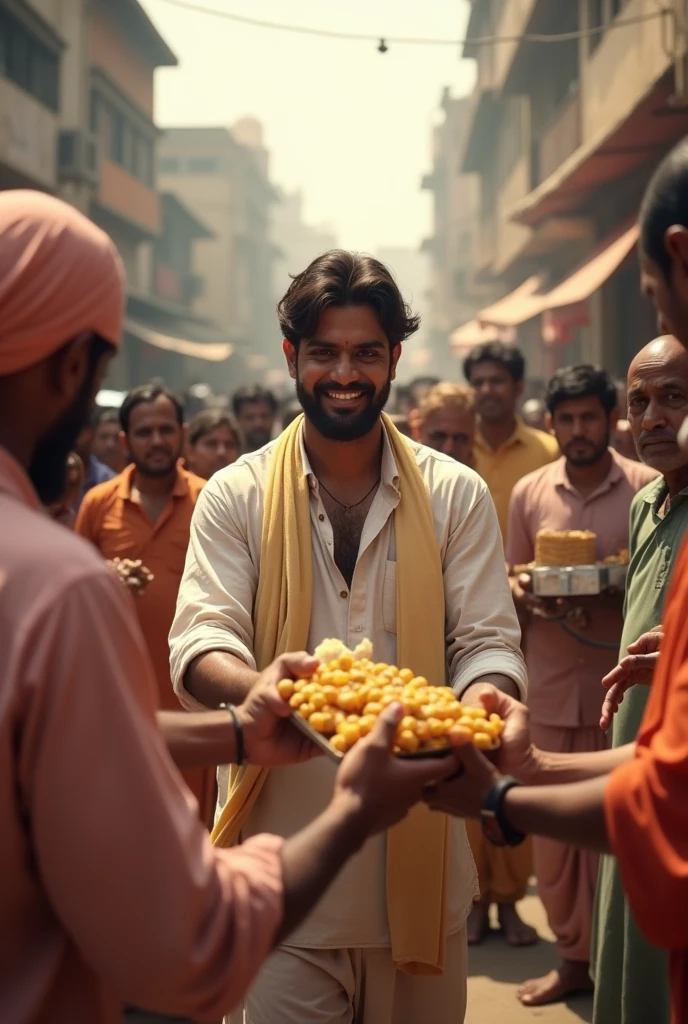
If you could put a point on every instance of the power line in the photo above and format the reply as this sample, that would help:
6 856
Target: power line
384 41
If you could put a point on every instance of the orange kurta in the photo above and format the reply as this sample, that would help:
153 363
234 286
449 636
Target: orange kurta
118 526
646 801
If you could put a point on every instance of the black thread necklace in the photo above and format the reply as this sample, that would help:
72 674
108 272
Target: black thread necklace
347 508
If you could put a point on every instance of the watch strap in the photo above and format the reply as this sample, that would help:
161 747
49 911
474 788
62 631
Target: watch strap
495 826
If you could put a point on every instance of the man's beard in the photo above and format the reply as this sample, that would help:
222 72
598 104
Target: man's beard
344 427
48 469
594 453
157 470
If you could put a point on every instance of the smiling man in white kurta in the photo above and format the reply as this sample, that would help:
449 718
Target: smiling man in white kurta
338 966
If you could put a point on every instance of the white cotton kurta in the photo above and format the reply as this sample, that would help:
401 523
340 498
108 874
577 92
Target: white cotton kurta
214 612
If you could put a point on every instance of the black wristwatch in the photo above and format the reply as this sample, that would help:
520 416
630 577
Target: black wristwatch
495 826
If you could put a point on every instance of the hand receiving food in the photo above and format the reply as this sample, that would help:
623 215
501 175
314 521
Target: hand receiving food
463 795
133 573
516 754
383 786
636 669
270 736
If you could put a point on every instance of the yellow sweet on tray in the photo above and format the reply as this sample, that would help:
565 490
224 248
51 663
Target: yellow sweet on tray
342 700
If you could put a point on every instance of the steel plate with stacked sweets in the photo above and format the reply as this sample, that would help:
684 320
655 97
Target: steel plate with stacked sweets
341 702
566 565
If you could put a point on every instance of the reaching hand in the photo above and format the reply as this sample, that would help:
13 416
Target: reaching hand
516 754
385 786
636 669
526 601
464 794
271 738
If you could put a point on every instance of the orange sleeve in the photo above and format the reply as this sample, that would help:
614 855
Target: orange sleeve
88 517
646 801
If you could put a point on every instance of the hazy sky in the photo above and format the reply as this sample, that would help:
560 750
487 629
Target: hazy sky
347 125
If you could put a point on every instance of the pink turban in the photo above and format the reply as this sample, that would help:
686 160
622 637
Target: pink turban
59 275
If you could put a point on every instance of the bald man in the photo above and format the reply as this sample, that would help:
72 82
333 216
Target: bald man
631 976
110 891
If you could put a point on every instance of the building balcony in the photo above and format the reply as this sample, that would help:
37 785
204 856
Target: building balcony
560 139
485 247
642 137
28 138
126 197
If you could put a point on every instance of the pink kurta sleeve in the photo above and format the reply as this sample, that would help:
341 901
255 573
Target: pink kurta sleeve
519 543
166 920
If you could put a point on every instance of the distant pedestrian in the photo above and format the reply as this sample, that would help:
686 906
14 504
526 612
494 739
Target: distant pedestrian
590 487
505 448
255 409
447 421
145 513
213 441
505 451
106 445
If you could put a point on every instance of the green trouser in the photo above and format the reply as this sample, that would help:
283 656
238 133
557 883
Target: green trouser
631 976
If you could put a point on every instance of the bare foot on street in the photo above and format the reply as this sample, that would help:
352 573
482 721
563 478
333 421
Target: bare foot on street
478 923
516 931
557 985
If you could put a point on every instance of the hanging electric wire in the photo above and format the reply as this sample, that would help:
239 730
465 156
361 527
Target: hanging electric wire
384 42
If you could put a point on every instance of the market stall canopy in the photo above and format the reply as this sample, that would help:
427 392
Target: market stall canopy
592 274
530 299
473 333
515 308
213 352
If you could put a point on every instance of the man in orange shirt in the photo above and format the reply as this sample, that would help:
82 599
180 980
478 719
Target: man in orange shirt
145 513
632 800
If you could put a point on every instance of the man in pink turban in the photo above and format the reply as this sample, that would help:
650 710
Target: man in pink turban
110 891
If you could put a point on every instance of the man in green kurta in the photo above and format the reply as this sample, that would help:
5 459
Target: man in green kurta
631 976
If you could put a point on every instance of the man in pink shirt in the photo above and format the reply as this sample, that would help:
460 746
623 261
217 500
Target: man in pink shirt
110 891
570 644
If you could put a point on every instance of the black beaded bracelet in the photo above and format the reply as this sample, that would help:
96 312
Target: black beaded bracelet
238 733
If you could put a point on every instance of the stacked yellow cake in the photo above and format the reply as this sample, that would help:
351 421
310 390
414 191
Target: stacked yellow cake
565 547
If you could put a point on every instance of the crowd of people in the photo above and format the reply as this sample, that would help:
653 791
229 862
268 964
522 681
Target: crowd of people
172 845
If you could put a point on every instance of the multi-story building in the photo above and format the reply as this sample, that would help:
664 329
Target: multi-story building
222 175
32 59
455 290
76 119
564 136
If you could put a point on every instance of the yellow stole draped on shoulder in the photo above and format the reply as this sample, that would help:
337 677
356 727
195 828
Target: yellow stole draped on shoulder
417 848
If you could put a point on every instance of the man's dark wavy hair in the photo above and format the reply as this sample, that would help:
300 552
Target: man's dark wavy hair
340 278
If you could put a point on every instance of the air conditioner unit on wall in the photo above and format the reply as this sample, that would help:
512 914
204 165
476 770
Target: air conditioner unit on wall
78 156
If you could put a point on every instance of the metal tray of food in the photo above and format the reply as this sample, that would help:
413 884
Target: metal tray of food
335 755
577 580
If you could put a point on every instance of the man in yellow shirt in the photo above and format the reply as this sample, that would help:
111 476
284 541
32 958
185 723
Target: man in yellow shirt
505 448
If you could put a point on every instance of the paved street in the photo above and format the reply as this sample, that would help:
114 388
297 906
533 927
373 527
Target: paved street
495 971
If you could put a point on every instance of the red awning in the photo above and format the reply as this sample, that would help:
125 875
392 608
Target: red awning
520 305
530 300
591 275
